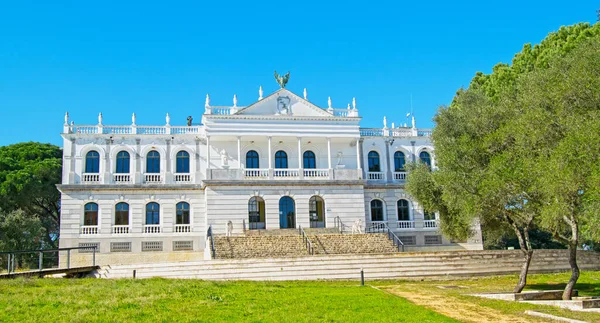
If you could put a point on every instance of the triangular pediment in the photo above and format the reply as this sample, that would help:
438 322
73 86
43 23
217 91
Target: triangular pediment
284 102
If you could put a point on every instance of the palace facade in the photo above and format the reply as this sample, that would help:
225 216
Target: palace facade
150 193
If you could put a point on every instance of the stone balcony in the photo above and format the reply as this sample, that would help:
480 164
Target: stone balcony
284 174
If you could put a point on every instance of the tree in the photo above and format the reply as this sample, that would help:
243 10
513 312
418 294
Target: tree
29 173
20 231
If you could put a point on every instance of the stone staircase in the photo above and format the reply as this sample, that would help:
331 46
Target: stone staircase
383 266
288 243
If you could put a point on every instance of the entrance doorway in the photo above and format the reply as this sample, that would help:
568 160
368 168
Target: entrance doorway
316 207
287 213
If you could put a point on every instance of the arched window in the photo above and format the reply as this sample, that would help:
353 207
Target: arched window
403 210
122 162
374 165
281 160
256 213
90 214
152 213
399 161
92 162
425 158
122 214
309 160
428 215
182 162
153 162
182 213
252 159
316 212
376 210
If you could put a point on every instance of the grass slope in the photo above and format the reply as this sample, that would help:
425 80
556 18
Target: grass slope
161 300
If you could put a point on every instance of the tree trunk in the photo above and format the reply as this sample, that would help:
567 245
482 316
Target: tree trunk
574 271
528 254
525 245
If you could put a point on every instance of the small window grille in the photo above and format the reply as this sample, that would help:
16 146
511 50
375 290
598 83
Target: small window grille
183 245
91 246
152 246
120 247
433 239
408 240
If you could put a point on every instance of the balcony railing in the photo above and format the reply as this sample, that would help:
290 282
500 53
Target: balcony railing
122 178
316 173
399 176
89 229
256 173
430 224
394 132
120 229
371 132
90 178
152 178
375 175
183 178
286 173
179 228
405 224
152 228
133 129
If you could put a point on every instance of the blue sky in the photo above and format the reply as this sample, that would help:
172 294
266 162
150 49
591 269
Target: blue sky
157 57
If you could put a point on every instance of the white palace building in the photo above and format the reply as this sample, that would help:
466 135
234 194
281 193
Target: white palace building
150 193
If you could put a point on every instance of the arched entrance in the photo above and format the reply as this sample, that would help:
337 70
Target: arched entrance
287 213
316 209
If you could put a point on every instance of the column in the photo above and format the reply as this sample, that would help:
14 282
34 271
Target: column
300 167
387 155
270 160
414 157
358 159
207 153
329 153
239 152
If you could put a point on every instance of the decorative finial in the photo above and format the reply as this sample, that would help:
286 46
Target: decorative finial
393 126
282 80
100 118
384 122
207 102
235 100
354 103
260 93
348 106
168 119
133 119
329 102
414 124
66 118
305 94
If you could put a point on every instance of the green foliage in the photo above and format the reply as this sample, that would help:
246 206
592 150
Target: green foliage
29 173
20 231
187 300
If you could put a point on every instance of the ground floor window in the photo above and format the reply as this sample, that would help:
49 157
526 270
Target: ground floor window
256 213
316 207
376 210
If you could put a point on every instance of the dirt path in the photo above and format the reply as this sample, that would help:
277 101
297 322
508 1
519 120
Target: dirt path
453 307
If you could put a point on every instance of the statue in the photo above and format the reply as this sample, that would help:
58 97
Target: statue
133 119
305 94
100 118
168 119
340 155
229 228
384 122
260 93
207 101
393 125
189 121
66 118
354 103
414 125
224 160
235 100
329 102
282 80
357 226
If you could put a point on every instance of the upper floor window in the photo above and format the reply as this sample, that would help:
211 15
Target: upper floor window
182 162
152 213
399 161
376 210
425 158
153 162
92 162
374 165
122 214
281 160
182 215
252 159
122 163
403 210
428 215
309 160
90 214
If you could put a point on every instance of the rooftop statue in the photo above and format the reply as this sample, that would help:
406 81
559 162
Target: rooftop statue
282 80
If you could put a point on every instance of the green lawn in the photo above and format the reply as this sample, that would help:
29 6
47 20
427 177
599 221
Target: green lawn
161 300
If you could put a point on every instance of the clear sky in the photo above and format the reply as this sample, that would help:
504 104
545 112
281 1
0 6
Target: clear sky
156 57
